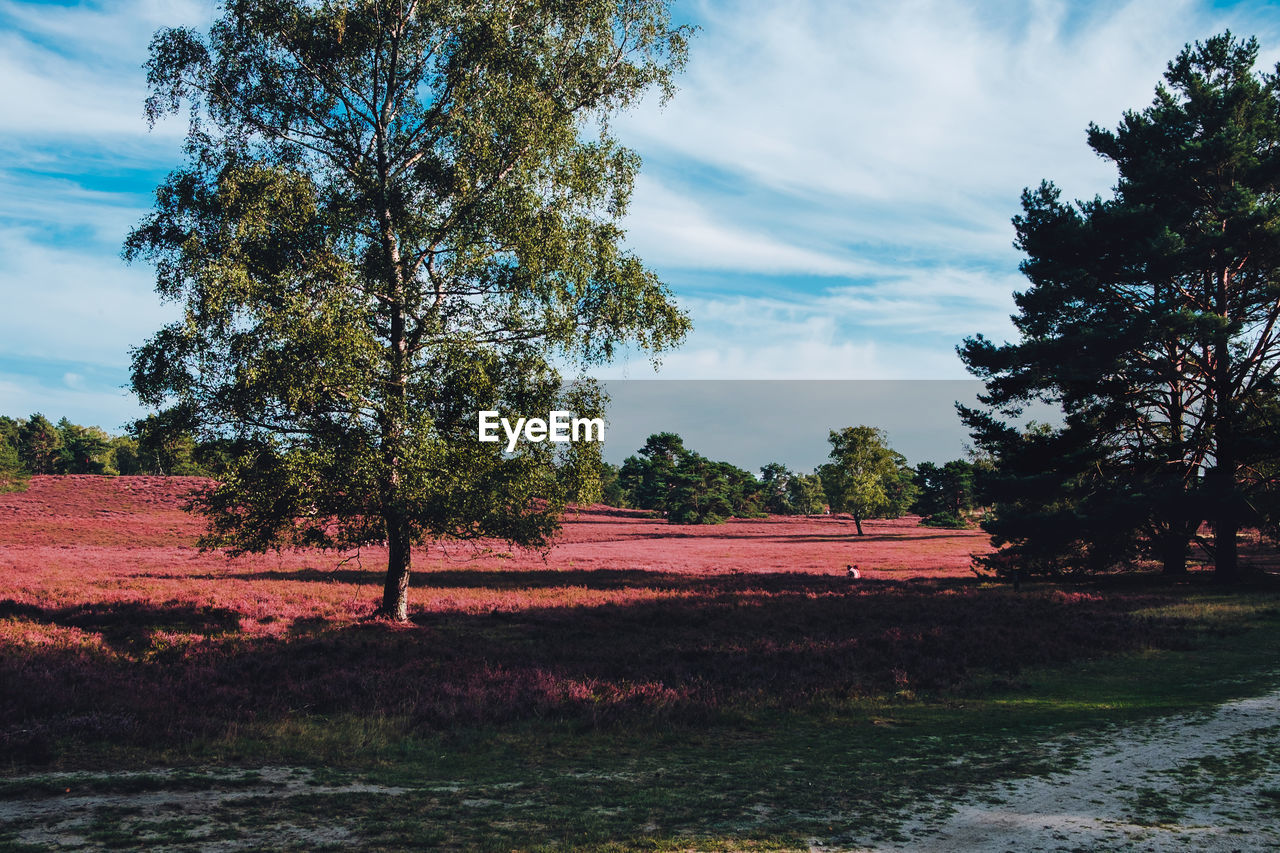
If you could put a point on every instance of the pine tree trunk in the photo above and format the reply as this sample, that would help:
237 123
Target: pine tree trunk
1226 520
1173 555
1226 566
857 520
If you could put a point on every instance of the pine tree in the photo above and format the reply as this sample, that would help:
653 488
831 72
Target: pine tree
1152 316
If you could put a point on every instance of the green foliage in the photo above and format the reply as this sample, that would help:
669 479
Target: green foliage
805 494
945 493
39 445
1152 320
13 476
646 480
581 470
164 444
1260 473
83 450
866 478
611 493
1045 494
685 486
947 520
700 493
785 492
774 482
10 430
390 219
124 455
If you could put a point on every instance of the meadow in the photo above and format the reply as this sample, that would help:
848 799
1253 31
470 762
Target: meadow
638 686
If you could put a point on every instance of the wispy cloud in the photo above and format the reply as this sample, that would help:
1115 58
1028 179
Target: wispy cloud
77 171
75 72
70 305
875 152
829 194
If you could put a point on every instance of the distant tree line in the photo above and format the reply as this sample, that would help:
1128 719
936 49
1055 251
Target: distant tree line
153 445
865 478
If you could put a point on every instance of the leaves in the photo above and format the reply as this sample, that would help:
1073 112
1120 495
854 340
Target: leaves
1151 319
392 215
865 477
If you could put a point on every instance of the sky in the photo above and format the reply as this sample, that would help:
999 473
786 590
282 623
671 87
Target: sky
828 195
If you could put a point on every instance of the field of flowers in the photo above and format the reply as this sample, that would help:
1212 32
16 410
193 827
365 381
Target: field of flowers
115 629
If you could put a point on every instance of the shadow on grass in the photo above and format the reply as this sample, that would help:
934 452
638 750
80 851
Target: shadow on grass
849 538
731 645
128 625
595 579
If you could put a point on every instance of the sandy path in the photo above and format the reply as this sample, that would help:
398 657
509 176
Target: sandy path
1196 782
66 820
1204 782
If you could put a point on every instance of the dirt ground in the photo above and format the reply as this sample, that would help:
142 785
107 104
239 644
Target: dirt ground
1202 782
77 818
1197 782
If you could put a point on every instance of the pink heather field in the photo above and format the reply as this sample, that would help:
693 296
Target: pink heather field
115 622
644 685
75 540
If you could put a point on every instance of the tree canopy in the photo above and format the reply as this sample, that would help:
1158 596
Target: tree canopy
1152 320
945 493
13 474
394 214
787 492
685 486
866 478
153 446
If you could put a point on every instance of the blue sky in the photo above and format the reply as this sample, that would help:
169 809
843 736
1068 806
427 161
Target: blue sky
829 194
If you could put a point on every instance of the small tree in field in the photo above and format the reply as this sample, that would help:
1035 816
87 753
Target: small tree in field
394 214
865 477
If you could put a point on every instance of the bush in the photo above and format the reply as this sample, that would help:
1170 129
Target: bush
13 477
949 520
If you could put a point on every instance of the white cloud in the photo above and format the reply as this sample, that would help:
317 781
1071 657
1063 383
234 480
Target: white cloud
858 160
932 102
77 71
111 409
65 305
946 301
675 230
827 336
35 206
881 148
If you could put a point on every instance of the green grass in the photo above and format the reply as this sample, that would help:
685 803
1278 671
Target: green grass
849 771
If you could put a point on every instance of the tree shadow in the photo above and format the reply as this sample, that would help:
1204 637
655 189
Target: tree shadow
850 537
712 650
129 625
704 583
